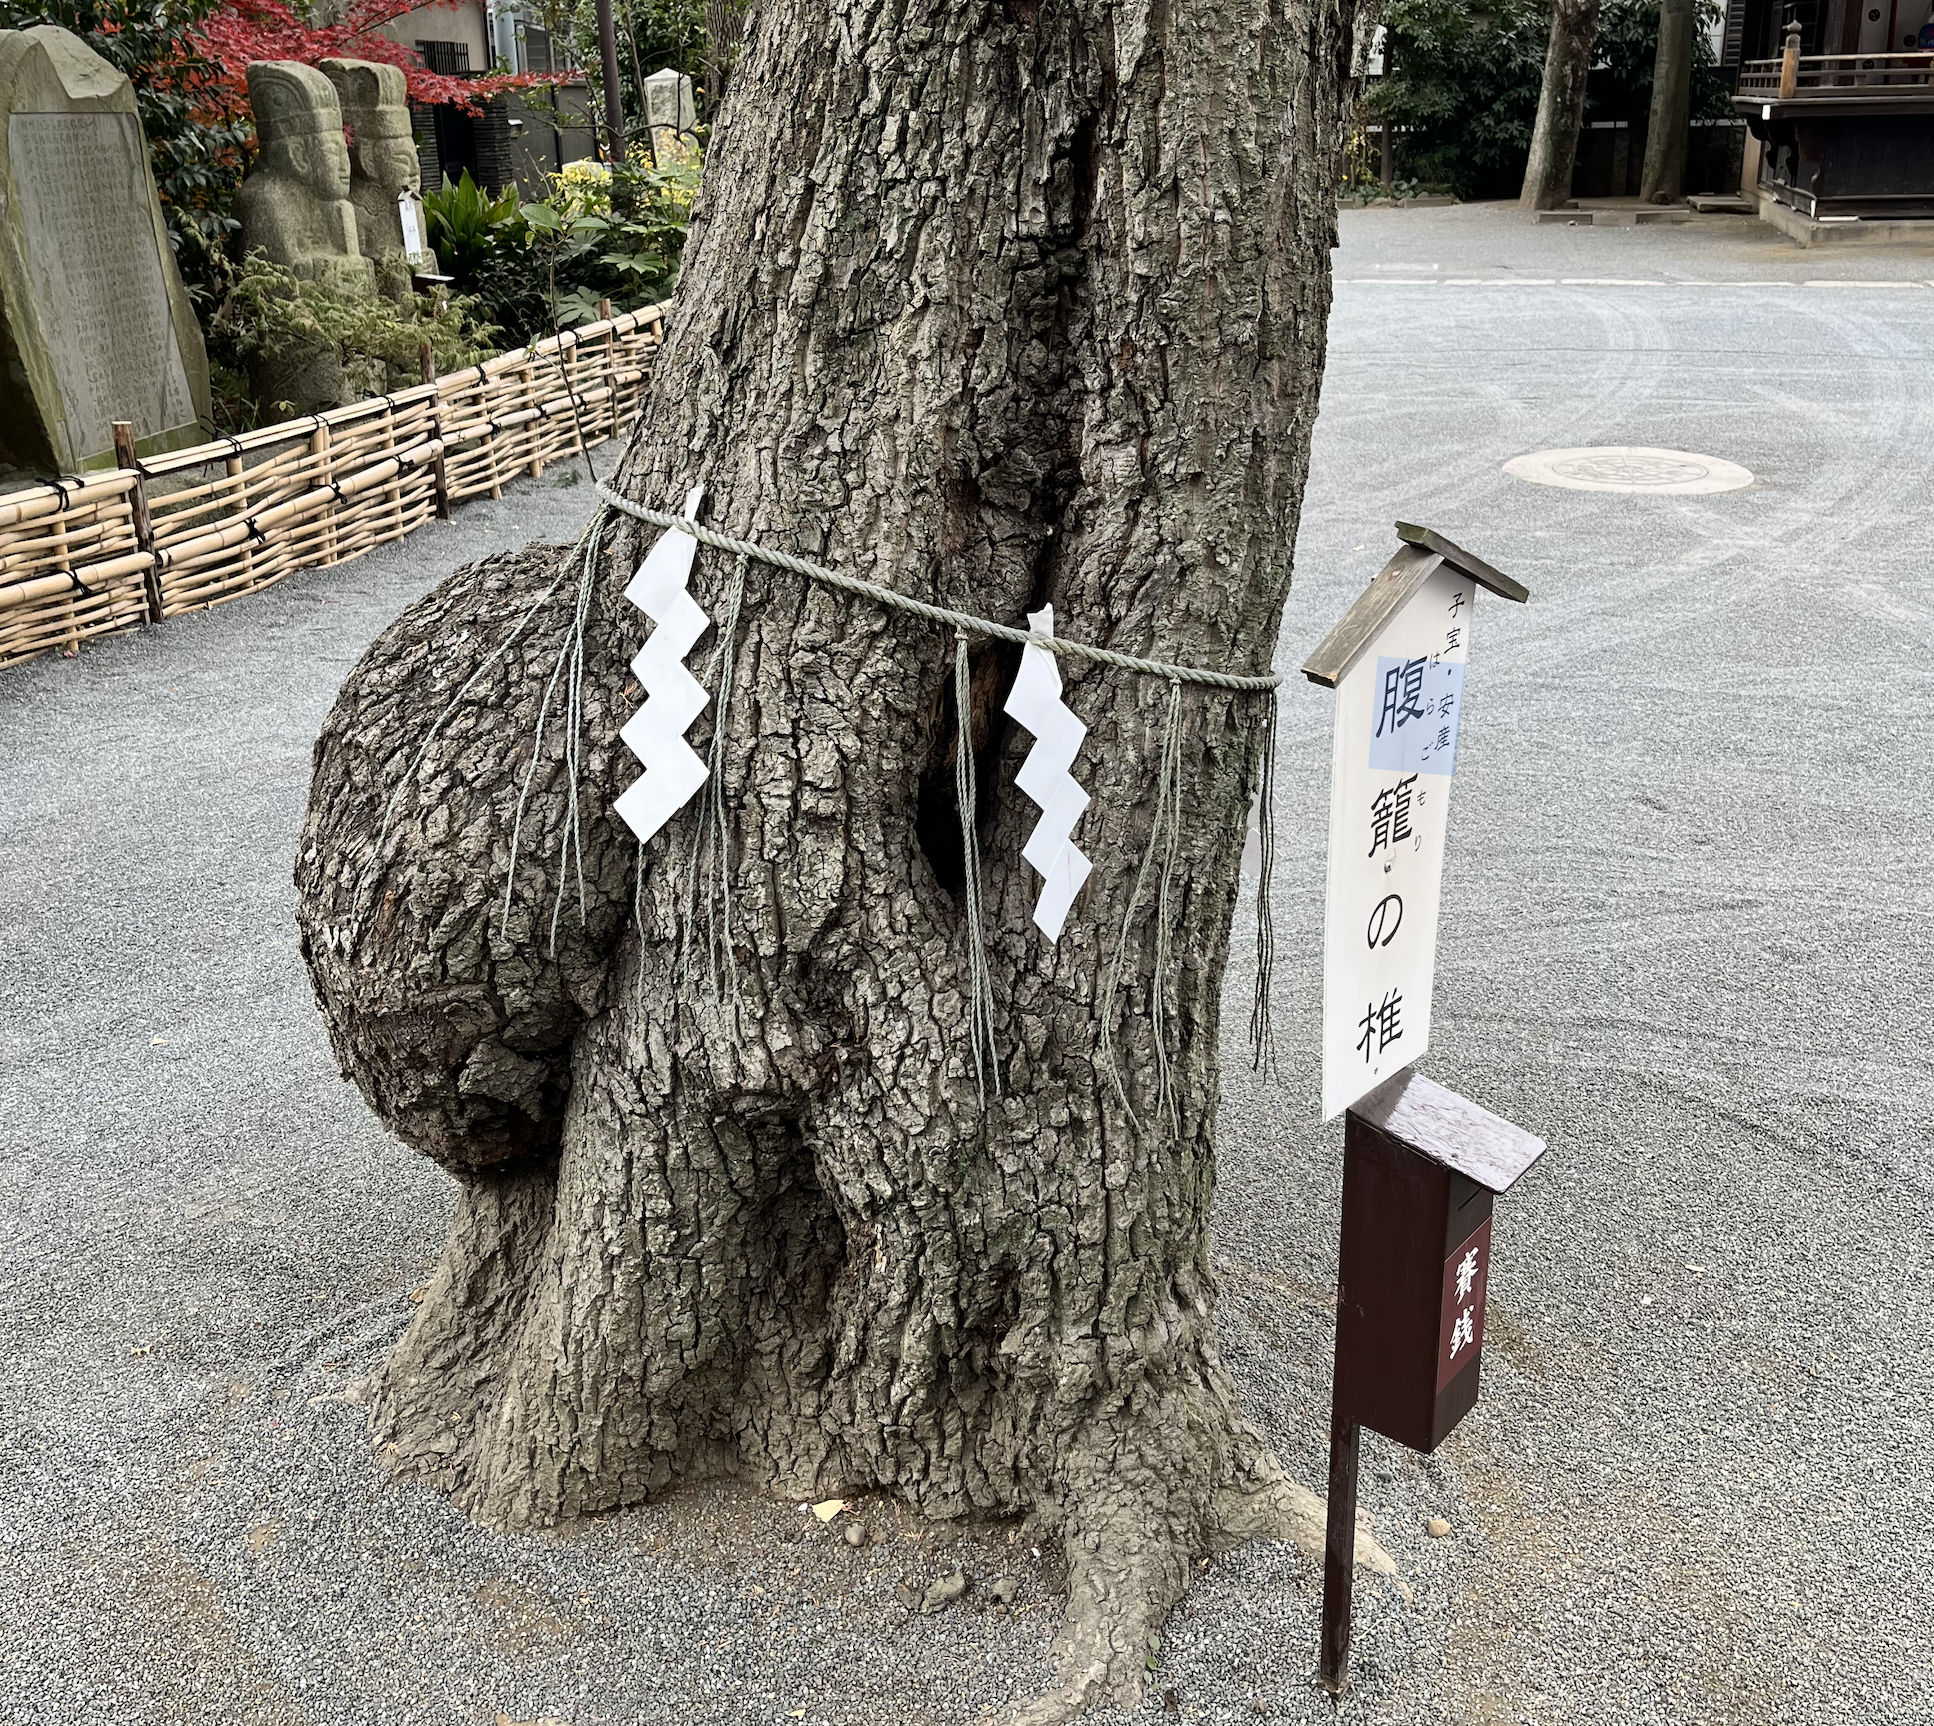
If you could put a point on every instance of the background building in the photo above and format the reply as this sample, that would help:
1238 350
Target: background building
519 139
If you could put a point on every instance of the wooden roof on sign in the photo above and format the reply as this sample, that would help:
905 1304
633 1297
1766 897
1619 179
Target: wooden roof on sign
1439 1124
1422 552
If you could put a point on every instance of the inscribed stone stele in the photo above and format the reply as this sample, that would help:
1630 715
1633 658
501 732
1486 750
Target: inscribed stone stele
94 323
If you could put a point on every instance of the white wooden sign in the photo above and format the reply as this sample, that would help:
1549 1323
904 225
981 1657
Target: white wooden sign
410 213
1399 700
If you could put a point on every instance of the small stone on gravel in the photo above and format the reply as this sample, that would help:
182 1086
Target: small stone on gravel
1438 1527
945 1592
855 1534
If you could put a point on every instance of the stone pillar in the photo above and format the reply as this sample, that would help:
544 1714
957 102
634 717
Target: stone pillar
669 111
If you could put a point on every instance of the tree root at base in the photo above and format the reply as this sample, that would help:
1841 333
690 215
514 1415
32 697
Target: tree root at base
1124 1585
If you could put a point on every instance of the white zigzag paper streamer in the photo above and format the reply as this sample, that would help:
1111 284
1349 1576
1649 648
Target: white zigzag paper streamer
673 696
1035 701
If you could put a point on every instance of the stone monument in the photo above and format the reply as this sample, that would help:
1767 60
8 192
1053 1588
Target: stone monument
94 323
294 206
670 111
385 177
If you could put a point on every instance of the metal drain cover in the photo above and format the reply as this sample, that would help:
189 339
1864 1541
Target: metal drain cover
1619 467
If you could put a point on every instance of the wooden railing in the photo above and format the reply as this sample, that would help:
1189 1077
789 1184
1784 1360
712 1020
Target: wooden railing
196 527
1837 75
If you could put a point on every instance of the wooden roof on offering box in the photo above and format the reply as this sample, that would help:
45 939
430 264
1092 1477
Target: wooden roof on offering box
1439 1124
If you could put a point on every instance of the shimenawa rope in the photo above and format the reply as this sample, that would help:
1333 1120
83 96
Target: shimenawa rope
1163 837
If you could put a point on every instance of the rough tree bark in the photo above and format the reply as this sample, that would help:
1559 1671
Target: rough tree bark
995 304
1561 105
1664 178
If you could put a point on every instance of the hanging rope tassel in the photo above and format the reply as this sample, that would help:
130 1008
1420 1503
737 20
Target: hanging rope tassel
1163 834
1169 800
980 988
570 654
570 849
1262 1029
718 906
575 633
708 874
497 653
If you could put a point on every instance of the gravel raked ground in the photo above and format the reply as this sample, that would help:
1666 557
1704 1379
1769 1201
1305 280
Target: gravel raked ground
1685 939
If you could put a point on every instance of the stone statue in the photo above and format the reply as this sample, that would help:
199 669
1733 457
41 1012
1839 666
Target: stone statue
294 206
385 179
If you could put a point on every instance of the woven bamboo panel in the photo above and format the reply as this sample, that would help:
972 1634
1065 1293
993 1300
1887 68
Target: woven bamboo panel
209 524
70 565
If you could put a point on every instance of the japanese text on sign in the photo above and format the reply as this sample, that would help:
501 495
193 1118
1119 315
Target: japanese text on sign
1466 1272
1398 709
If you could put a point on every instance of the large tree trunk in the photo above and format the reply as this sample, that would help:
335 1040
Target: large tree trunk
1561 105
1664 179
995 305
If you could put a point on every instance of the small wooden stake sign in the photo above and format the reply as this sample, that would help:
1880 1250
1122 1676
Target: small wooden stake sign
1420 1163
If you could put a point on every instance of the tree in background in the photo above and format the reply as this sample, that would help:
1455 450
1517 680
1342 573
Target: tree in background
1664 181
1463 91
1561 105
1463 94
240 31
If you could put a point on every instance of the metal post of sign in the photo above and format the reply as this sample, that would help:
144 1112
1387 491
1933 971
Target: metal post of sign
1420 1163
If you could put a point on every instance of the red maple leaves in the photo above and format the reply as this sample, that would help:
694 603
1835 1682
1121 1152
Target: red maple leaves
245 30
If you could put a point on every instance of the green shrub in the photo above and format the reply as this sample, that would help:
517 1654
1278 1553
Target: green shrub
467 224
267 312
544 265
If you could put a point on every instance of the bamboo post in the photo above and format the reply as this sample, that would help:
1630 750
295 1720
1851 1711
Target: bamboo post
426 365
393 491
319 443
124 456
535 423
64 564
233 468
610 363
486 388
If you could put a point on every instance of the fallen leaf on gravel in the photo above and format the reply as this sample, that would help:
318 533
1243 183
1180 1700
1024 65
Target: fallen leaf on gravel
142 1348
548 1720
829 1508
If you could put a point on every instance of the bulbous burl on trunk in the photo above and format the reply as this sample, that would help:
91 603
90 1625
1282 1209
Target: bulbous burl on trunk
994 305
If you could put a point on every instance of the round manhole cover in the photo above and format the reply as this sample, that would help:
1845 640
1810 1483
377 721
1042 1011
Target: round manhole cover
1669 472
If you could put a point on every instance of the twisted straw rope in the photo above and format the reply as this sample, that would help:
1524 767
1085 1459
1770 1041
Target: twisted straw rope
962 621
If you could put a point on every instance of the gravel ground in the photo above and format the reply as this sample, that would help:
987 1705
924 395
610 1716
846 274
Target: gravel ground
1686 847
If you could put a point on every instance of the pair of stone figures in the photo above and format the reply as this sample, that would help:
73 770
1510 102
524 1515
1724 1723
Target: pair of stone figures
344 213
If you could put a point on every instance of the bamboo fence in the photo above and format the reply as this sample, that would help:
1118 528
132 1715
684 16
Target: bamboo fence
200 526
